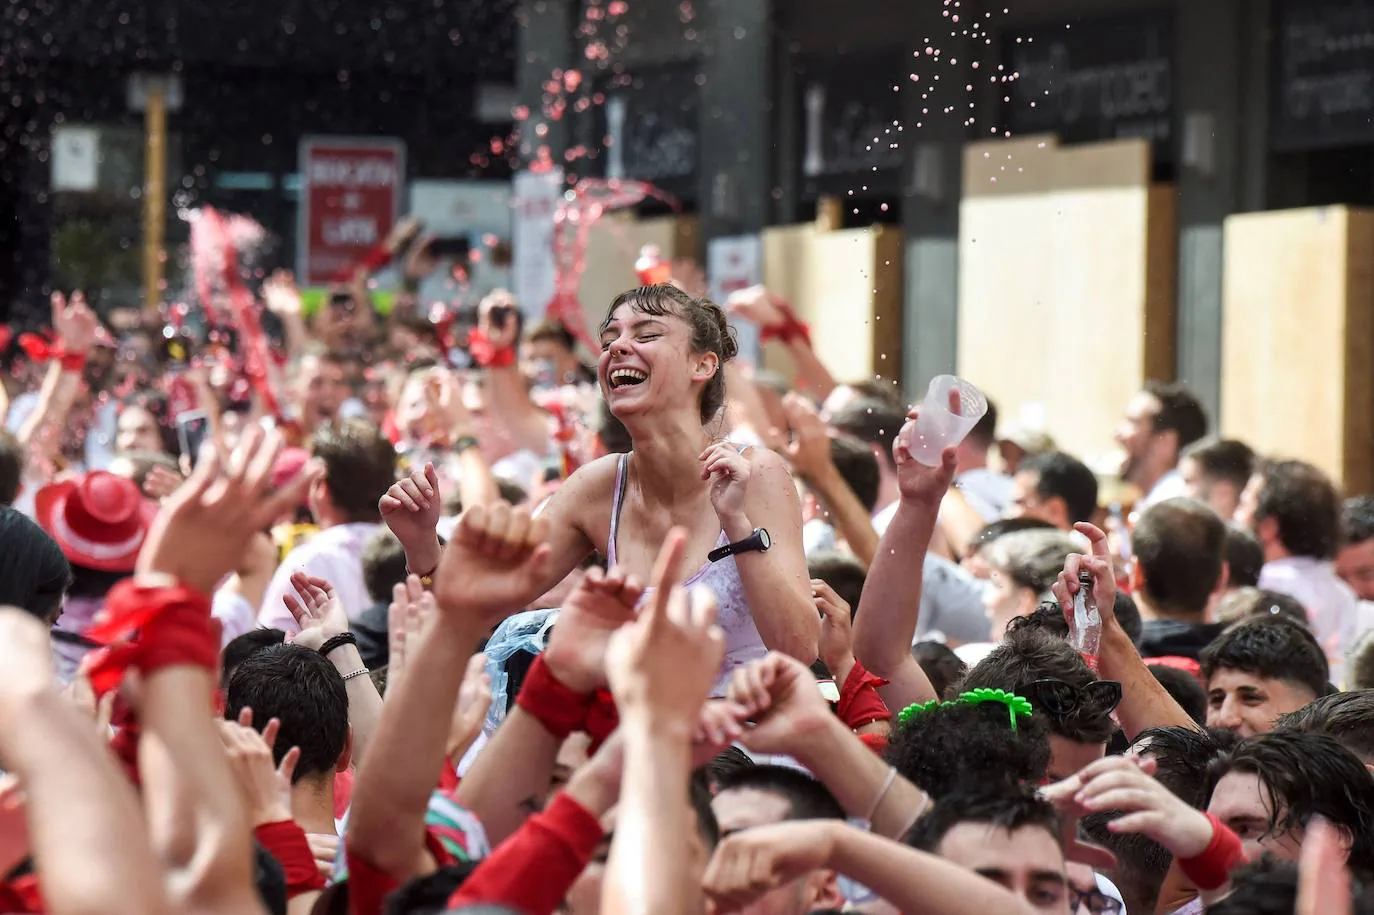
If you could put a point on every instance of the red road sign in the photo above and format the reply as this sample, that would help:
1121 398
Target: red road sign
350 199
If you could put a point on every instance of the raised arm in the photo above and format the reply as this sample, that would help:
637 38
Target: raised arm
756 491
808 452
886 622
507 392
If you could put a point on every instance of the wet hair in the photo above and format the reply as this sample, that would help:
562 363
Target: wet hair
1031 559
1244 558
245 646
725 764
1048 617
710 331
1180 547
807 798
11 467
1245 603
1307 775
873 421
301 689
942 667
1348 717
1224 459
1179 412
843 573
1003 526
1306 506
1184 689
34 573
1357 520
1062 476
1272 648
941 748
1265 886
1028 655
699 797
1184 756
428 894
359 466
1141 862
384 565
1011 808
857 466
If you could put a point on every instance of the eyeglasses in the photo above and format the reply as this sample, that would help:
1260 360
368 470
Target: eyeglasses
1092 902
1062 699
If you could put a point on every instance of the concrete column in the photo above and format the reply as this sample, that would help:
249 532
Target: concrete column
735 151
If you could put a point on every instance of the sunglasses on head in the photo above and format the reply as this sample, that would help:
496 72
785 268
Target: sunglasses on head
1062 699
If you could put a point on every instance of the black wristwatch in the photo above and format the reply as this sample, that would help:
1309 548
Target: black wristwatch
757 542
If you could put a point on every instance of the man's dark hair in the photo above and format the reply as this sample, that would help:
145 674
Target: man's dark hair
1141 862
1184 756
1244 558
428 894
1307 775
872 421
359 466
1348 717
941 665
11 467
1266 886
1010 808
1179 411
1180 548
1184 689
384 565
857 466
1273 648
726 763
1223 459
807 798
1306 506
1003 526
245 646
551 330
1028 655
945 746
1128 617
843 573
34 573
1060 475
699 796
1357 520
302 690
984 432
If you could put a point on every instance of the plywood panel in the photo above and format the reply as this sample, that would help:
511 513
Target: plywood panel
1297 338
1066 283
847 284
613 246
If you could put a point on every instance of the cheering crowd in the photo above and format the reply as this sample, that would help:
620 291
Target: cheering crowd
434 613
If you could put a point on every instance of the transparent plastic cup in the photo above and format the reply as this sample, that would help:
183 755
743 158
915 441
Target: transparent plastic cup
939 425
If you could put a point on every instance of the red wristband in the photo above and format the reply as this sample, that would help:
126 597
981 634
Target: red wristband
286 842
1211 869
72 362
790 329
373 261
486 354
859 702
151 628
602 718
559 708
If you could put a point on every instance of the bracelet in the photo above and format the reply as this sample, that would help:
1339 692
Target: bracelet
360 672
426 580
887 786
465 442
338 641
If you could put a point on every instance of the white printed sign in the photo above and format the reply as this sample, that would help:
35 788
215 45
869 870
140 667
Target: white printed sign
733 264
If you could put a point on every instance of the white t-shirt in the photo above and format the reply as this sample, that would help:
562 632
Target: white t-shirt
334 554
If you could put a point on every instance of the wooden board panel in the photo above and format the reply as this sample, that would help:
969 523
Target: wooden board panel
847 285
1298 337
1066 284
613 246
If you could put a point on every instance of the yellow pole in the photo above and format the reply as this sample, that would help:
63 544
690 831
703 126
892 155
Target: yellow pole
154 194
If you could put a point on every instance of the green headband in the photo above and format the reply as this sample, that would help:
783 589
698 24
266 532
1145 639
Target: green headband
1017 707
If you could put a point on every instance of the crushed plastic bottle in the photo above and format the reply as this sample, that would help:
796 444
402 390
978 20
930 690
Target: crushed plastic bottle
1086 632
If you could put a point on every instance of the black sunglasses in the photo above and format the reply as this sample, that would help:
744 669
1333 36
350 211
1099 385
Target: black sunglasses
1095 901
1062 699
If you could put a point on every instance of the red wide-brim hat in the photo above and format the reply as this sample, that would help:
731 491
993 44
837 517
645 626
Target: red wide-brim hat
99 520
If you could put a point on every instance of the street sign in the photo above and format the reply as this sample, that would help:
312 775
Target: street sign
351 190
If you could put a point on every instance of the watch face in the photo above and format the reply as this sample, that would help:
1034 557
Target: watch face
764 540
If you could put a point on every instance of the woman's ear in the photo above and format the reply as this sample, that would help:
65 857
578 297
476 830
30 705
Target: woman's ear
707 364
